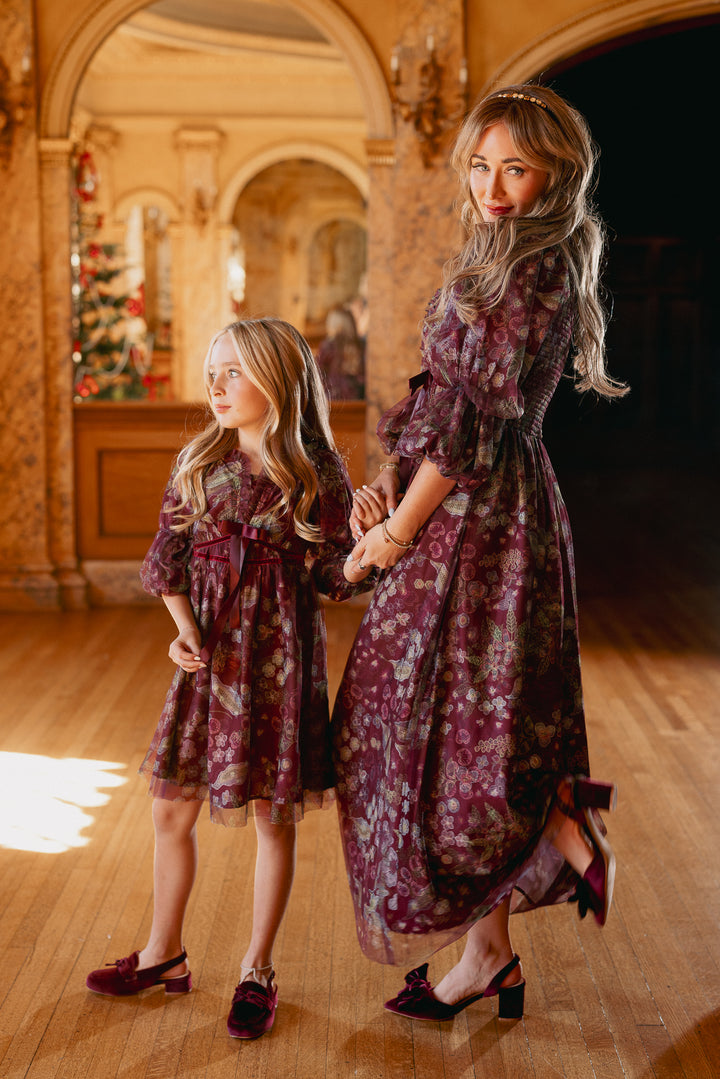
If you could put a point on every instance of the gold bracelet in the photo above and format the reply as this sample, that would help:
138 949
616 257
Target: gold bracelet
389 538
390 464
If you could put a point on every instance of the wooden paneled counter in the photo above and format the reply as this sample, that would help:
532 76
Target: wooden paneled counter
123 455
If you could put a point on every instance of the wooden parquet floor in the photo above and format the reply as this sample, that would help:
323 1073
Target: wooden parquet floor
80 696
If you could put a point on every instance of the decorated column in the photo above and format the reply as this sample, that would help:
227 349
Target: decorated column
26 571
412 227
200 311
55 164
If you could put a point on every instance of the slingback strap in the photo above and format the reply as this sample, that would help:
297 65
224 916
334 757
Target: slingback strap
496 983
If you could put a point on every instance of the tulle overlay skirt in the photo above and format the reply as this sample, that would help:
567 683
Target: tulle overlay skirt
251 731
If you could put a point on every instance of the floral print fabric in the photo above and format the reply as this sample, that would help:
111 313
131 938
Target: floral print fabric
460 707
254 724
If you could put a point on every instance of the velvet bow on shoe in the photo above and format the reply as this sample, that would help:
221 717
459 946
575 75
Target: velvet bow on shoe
417 1000
253 1009
123 979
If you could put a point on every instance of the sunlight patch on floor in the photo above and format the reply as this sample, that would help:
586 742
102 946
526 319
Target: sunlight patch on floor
43 800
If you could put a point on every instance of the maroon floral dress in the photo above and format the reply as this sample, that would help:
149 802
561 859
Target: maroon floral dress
461 706
254 724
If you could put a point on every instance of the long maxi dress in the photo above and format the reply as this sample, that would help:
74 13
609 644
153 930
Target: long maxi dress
461 708
251 730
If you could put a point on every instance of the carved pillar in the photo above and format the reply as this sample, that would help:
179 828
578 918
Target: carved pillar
55 174
102 140
225 234
176 232
412 226
26 579
201 275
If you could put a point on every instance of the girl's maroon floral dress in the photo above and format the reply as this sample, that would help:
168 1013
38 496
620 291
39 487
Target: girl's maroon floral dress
254 724
461 706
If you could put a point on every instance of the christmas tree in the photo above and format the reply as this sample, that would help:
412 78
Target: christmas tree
110 350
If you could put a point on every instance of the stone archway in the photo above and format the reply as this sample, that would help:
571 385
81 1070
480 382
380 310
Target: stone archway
106 15
55 146
342 163
581 32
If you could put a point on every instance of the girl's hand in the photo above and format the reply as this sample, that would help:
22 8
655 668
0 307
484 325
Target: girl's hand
369 508
371 504
353 571
185 650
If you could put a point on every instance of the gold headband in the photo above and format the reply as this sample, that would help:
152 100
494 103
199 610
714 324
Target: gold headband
525 97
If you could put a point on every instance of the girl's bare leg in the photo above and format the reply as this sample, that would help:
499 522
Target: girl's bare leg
174 876
274 872
487 950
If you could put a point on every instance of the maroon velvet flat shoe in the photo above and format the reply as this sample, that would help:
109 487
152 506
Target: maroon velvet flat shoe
123 979
595 890
417 1000
253 1009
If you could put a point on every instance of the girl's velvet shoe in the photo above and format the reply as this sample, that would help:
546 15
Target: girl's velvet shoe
123 979
595 890
417 1000
253 1009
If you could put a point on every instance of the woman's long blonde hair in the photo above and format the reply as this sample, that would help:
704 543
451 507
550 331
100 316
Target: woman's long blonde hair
551 135
279 362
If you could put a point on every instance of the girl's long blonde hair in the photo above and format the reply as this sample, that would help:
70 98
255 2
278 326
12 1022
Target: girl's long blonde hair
551 135
279 362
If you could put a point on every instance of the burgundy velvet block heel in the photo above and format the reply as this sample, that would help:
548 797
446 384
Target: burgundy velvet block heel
181 984
123 979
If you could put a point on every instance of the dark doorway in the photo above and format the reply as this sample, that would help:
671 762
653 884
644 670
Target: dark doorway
640 475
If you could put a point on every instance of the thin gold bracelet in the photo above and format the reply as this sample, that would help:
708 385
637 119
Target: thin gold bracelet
390 464
389 538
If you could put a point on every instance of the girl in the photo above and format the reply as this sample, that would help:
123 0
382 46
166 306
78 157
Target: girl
254 525
462 764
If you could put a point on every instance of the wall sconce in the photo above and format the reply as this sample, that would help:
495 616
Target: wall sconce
428 114
203 204
15 101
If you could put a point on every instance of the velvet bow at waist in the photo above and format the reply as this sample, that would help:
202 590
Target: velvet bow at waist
240 537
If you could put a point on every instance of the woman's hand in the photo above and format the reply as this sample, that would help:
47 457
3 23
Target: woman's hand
374 502
372 550
185 649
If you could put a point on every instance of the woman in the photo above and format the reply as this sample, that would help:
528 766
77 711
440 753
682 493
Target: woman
461 750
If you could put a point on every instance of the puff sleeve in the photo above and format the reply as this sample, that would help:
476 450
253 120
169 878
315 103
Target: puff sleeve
473 385
334 505
165 569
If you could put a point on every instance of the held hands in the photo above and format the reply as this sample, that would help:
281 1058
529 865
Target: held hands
374 502
372 550
185 649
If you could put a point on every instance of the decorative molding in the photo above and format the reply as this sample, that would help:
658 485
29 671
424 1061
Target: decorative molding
198 138
380 151
55 153
102 137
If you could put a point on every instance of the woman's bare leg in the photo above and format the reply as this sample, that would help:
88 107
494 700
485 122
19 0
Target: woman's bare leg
566 835
487 950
